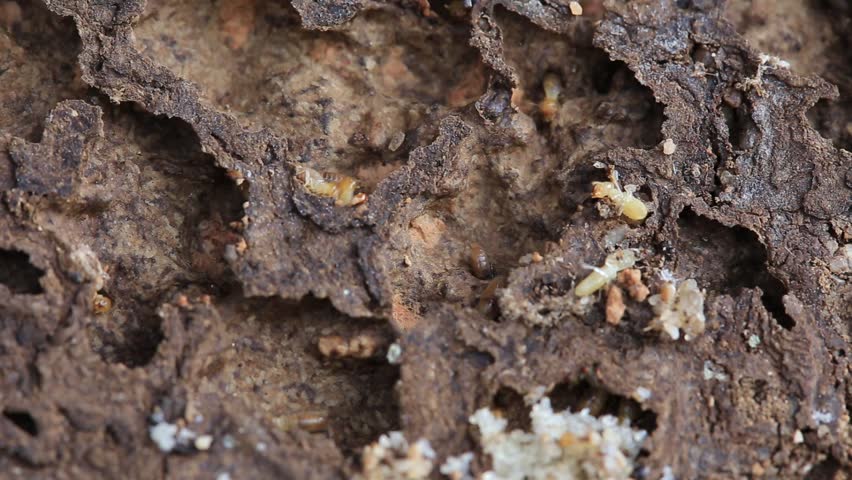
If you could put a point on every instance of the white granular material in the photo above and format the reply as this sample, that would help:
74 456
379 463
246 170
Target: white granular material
714 372
679 311
561 445
163 434
822 417
753 341
641 394
394 353
392 457
458 468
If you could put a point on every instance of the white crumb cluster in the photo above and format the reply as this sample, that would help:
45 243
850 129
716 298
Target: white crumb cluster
714 372
86 267
773 61
394 353
678 309
458 468
391 457
169 436
561 445
753 341
766 62
641 394
822 417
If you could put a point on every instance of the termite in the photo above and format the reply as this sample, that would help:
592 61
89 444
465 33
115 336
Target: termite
627 204
486 299
600 276
335 185
101 304
549 105
313 421
479 262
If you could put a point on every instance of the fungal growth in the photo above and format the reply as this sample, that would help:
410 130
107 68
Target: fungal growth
622 199
340 187
601 276
677 309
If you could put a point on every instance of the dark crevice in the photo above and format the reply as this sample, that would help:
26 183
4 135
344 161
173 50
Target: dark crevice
827 469
725 260
18 274
583 394
134 343
742 131
51 45
510 405
22 420
352 401
833 120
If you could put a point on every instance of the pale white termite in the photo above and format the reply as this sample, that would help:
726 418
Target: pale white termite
600 276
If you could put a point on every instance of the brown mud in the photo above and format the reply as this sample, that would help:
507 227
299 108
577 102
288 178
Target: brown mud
160 256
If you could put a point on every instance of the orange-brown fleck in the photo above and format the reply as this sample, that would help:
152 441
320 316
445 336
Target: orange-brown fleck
631 279
614 305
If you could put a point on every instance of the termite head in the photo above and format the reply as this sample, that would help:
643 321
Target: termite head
344 192
101 304
622 259
603 189
340 187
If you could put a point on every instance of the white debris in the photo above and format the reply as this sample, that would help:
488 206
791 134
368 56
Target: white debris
576 8
773 61
535 395
766 62
392 457
169 436
714 372
561 445
394 353
798 437
204 442
667 473
841 262
458 468
185 436
87 267
677 309
223 476
163 434
822 417
669 147
753 341
641 394
666 275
